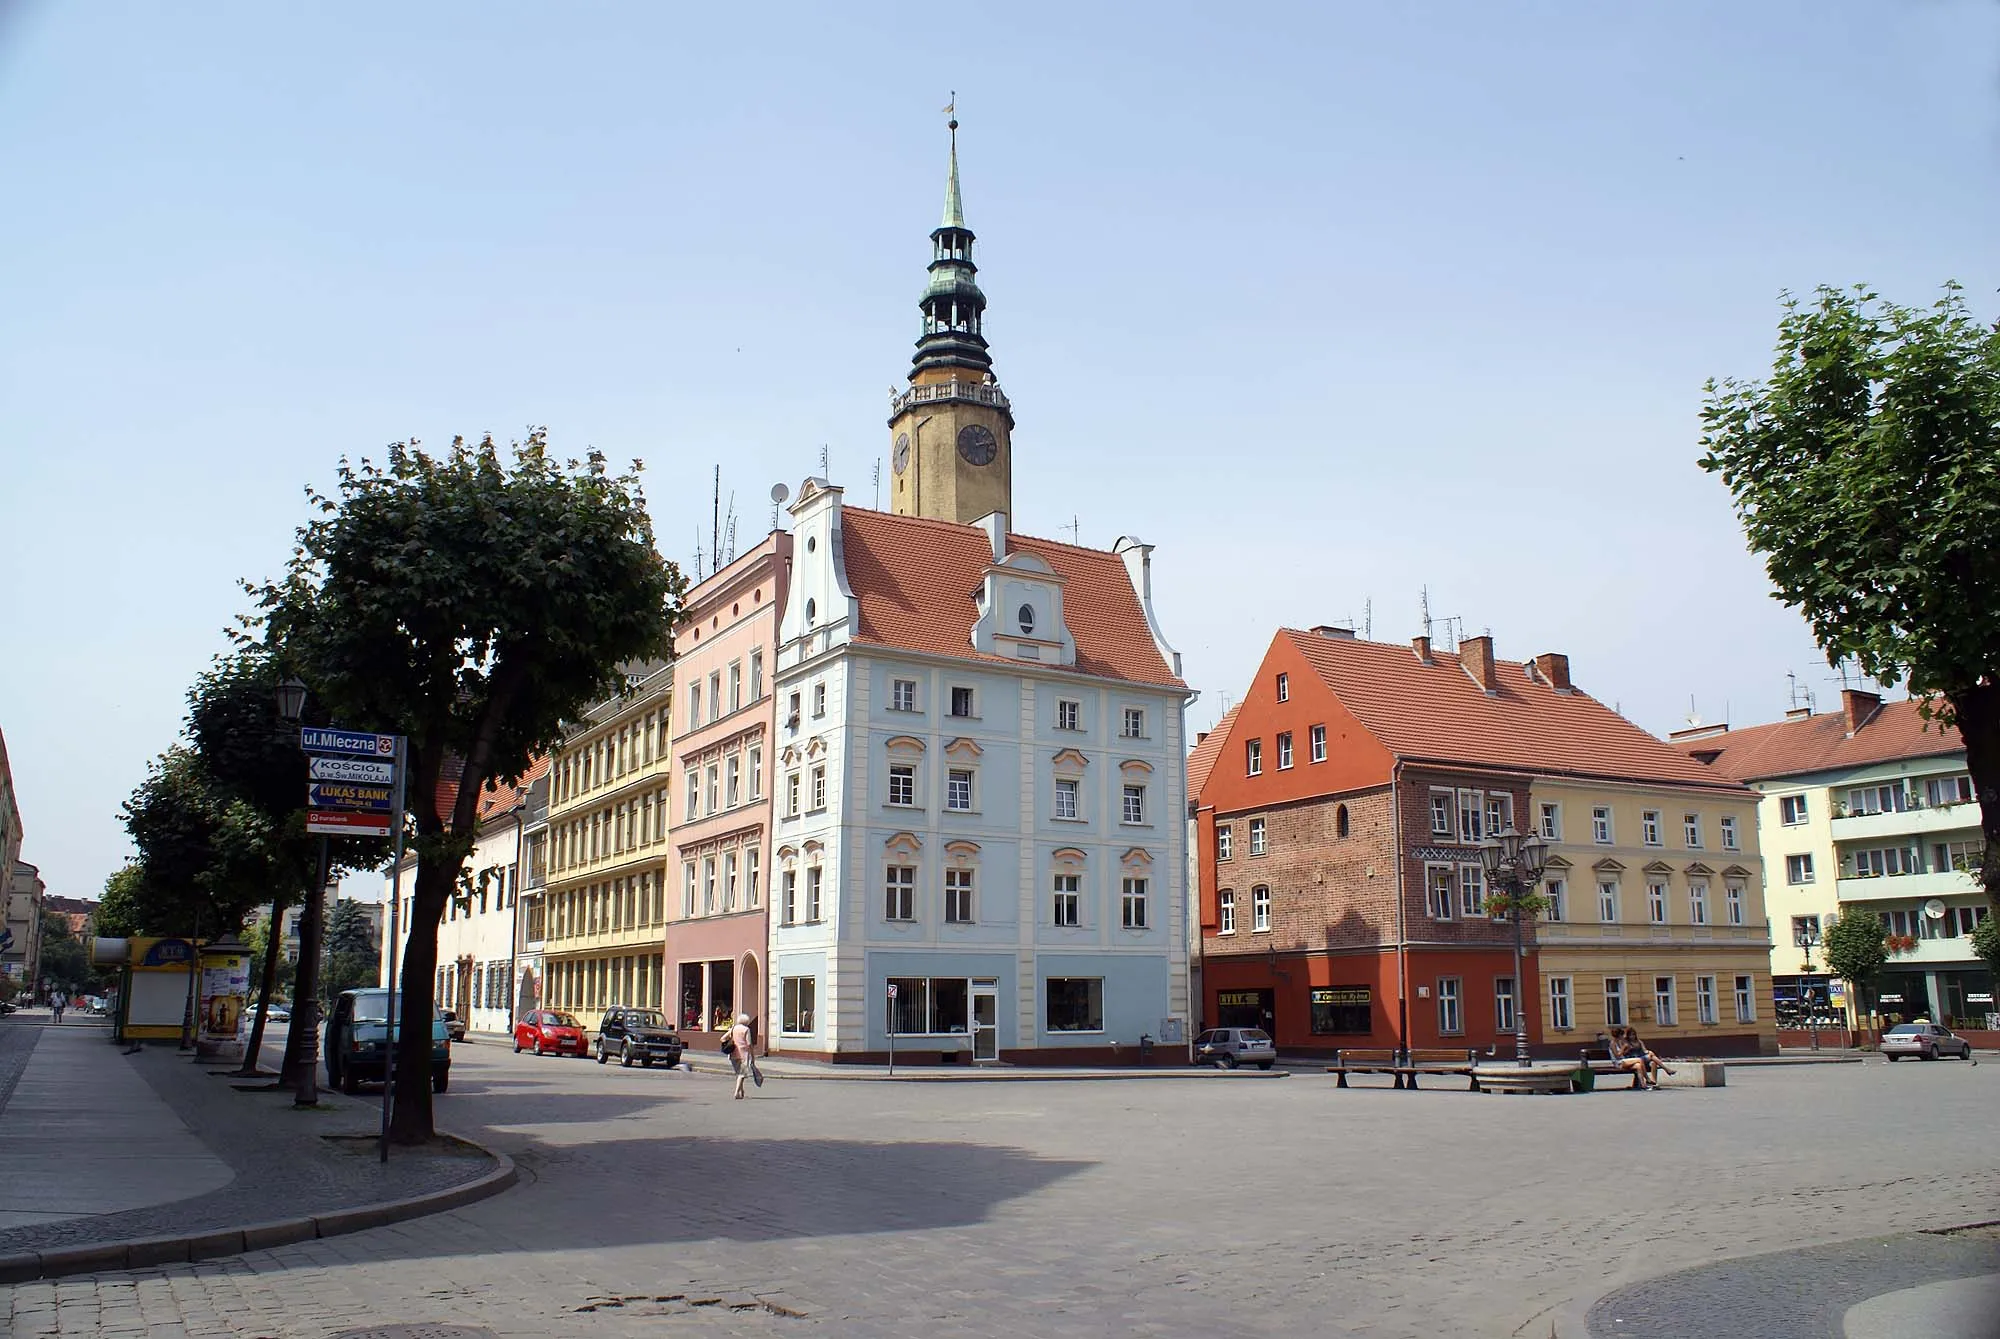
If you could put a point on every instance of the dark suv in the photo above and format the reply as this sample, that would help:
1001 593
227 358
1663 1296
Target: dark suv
637 1034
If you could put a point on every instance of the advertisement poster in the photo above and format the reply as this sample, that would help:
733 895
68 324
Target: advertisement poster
225 990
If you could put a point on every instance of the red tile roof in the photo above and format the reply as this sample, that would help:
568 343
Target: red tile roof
1436 712
914 578
1820 743
499 797
1202 759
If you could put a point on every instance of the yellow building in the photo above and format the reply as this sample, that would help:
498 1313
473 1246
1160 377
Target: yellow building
1657 915
607 853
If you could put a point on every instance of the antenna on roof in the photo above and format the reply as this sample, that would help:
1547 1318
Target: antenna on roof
1075 528
1693 716
877 472
697 553
1368 619
1424 607
729 532
822 461
778 495
715 521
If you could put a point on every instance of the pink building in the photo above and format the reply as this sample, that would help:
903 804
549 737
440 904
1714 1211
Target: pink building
722 764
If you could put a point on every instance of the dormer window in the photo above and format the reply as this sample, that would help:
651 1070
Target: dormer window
1027 620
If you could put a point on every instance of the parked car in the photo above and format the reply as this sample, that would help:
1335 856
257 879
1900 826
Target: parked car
548 1033
454 1025
637 1034
357 1041
1228 1047
1924 1039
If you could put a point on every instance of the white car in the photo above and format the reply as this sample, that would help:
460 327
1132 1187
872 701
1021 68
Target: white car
1926 1040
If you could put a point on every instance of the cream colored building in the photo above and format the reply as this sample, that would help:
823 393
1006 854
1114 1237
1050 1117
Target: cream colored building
607 854
1657 916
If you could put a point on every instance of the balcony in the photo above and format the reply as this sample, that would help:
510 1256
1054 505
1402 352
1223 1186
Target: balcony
973 392
1922 820
1932 952
1908 887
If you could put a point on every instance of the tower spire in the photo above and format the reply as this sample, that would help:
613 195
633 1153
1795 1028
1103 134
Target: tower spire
954 207
954 309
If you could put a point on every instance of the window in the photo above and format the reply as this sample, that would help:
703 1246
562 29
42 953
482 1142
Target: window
1135 804
1340 823
1656 903
1882 862
1134 726
1964 857
1552 822
1600 825
1943 790
694 705
1697 902
1257 836
1284 688
1704 999
1792 810
819 699
1732 902
958 896
1132 904
1075 1004
1226 912
1319 743
729 882
691 785
1440 813
801 995
792 711
1068 909
1065 799
1471 815
713 800
1471 890
788 899
1663 1001
1260 909
1557 892
1607 900
735 685
1730 842
1562 1017
1253 757
1503 1004
1614 1001
791 794
732 790
961 701
958 790
901 884
756 774
1499 813
1746 1000
1877 800
1285 751
812 894
1649 828
903 695
1025 616
1798 869
1804 928
1068 714
1342 1009
1691 830
1451 1018
819 786
751 856
707 886
756 675
1440 884
1960 921
1225 841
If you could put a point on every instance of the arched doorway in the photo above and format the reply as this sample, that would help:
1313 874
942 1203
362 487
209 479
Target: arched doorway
750 996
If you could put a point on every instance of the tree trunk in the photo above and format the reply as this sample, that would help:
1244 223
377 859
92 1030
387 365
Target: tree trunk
272 941
410 1116
305 1004
1978 713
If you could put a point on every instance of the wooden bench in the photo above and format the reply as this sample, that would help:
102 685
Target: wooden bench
1597 1059
1405 1066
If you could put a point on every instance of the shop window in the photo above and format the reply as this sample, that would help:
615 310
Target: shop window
1342 1009
1075 1004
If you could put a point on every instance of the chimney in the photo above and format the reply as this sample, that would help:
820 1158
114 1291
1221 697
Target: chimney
1329 630
1476 654
1858 705
1553 668
1422 646
1198 738
1798 713
994 523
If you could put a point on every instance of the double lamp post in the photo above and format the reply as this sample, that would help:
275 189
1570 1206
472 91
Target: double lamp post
1515 863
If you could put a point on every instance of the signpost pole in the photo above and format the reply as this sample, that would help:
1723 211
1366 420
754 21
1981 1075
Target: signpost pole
389 947
892 1029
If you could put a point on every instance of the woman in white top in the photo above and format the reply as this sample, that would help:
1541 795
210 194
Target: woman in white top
743 1054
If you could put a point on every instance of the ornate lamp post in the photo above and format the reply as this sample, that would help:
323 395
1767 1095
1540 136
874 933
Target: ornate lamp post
1514 866
1806 935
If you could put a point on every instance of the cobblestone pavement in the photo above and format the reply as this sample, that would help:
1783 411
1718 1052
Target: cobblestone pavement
1285 1208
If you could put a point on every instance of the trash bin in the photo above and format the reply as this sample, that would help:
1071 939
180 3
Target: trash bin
1145 1048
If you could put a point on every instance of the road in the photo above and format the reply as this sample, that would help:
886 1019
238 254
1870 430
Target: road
1030 1209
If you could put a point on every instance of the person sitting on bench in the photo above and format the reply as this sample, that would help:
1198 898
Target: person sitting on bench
1632 1057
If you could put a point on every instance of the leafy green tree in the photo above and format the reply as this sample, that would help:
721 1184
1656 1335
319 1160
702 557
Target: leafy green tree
1866 470
1856 952
1986 943
471 601
352 958
196 869
65 959
119 913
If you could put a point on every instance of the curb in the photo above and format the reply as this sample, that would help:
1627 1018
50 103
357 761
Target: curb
152 1252
945 1074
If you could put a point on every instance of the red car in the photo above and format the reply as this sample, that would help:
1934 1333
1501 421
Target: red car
547 1033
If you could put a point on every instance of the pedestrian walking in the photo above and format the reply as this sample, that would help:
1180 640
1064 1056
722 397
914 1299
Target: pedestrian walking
742 1045
56 1007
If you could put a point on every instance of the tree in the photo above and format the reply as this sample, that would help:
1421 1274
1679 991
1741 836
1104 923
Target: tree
119 910
1856 953
196 872
1986 943
65 960
471 601
352 958
1866 470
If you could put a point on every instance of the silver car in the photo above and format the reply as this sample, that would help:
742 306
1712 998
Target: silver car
1927 1040
1228 1047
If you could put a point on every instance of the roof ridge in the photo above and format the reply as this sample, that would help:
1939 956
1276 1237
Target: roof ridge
962 526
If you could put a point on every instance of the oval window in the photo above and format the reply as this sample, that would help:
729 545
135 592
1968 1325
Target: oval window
811 609
1027 617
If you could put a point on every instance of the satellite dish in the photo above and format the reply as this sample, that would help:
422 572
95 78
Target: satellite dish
1934 909
779 493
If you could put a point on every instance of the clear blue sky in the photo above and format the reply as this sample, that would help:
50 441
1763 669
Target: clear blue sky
1329 302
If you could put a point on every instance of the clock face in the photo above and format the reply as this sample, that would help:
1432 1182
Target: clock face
976 444
902 451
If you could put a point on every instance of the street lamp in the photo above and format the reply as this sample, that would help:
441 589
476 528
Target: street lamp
291 699
1514 864
1806 934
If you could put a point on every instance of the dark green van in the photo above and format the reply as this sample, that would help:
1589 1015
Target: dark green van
356 1045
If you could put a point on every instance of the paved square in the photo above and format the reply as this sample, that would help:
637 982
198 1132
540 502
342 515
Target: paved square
1037 1208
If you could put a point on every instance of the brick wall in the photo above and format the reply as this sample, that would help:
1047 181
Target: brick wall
1327 891
1414 795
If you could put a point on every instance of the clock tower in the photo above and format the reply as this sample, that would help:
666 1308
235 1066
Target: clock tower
951 431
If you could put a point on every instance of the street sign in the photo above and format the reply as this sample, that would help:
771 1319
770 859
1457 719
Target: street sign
892 990
344 795
364 770
314 739
347 823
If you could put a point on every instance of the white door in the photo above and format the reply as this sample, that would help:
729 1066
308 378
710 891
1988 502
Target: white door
985 1020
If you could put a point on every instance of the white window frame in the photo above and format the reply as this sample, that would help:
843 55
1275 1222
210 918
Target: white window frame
1260 909
1132 806
1794 810
1451 1006
1656 902
1732 840
902 785
1132 723
1284 750
1072 791
1562 1004
1066 908
1616 1014
959 907
1557 892
819 698
1551 821
1318 738
1471 891
1225 911
1733 897
1225 842
1442 812
1259 842
970 701
1698 901
958 795
1069 714
1666 1003
902 695
899 888
1799 869
815 893
1503 1005
788 898
1132 900
1650 833
1284 687
819 787
1441 891
1602 830
800 1001
1691 831
1704 1001
1253 757
1746 998
1471 815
